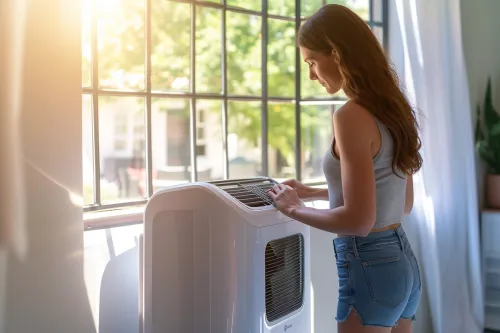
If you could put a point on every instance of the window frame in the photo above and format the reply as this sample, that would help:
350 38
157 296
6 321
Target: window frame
95 92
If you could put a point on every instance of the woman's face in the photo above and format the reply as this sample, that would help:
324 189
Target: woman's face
323 68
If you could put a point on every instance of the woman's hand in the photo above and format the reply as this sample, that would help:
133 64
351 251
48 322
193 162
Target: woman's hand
303 191
285 198
307 192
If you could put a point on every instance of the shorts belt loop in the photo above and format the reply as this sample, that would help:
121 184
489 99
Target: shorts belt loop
400 240
335 249
355 247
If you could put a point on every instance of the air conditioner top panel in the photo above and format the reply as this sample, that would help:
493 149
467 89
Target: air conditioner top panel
247 197
252 192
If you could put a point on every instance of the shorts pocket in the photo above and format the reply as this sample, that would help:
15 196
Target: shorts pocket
417 273
344 277
387 280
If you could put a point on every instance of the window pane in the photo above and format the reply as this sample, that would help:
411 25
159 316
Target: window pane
360 7
244 139
209 140
316 123
86 46
244 54
377 11
281 140
379 33
121 43
255 5
208 50
170 45
281 59
122 149
281 7
87 151
309 7
171 142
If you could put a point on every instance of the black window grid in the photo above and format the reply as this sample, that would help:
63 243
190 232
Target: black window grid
148 93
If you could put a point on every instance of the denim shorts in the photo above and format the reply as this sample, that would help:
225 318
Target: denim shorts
379 278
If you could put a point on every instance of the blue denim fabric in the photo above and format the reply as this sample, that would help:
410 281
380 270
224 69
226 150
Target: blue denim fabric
379 278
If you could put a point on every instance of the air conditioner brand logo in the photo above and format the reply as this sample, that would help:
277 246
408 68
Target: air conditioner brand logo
287 327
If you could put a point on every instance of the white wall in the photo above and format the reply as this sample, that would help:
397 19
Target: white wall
45 293
480 29
480 34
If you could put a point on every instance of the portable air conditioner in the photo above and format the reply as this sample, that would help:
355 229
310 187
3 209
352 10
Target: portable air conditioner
219 257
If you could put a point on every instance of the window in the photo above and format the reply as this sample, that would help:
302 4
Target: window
201 141
182 91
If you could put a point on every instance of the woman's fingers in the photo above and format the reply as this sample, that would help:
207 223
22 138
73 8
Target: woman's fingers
279 188
275 191
272 194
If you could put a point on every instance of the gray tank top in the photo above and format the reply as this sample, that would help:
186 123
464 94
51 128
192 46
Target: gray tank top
390 188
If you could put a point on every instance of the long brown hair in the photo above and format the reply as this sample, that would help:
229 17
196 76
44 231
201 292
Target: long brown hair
367 77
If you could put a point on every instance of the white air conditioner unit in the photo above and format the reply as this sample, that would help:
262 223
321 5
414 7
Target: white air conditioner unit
218 257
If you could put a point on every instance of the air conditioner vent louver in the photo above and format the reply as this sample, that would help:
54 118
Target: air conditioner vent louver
251 192
284 276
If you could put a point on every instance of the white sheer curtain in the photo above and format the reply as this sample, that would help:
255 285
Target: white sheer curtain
12 14
11 180
426 47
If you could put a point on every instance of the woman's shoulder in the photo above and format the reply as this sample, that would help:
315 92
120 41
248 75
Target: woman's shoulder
355 116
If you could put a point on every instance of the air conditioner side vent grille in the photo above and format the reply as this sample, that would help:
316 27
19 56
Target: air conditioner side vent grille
284 276
251 192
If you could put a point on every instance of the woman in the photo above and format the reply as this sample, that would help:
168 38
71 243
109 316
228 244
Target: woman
368 169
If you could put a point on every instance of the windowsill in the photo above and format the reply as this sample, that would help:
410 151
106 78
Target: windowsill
113 218
119 217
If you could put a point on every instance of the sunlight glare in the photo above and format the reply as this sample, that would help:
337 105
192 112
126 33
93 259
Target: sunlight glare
75 198
86 29
104 5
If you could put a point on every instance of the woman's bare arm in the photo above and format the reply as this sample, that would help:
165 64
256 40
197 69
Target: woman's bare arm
317 194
